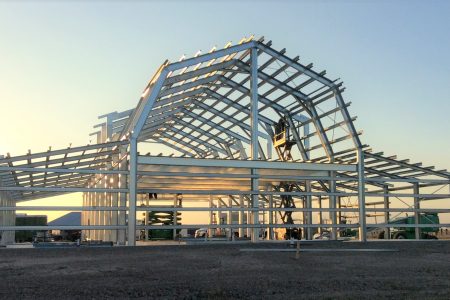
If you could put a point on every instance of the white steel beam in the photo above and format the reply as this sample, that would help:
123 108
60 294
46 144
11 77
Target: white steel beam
231 163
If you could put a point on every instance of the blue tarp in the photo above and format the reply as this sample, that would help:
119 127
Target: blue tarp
70 219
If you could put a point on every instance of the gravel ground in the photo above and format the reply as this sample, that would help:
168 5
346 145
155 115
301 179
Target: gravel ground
418 270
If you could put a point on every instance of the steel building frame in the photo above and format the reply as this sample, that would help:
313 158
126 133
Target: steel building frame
217 112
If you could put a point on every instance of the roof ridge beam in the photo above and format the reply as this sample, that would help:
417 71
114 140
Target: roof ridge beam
210 56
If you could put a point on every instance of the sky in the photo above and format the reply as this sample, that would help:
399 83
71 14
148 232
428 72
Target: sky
64 64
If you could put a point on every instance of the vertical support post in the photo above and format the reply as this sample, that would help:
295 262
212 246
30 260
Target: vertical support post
249 217
96 214
308 213
320 214
416 213
339 214
3 217
304 219
254 140
104 203
210 230
241 215
175 221
361 197
122 196
229 217
90 217
114 204
132 193
146 217
332 205
83 215
271 237
387 231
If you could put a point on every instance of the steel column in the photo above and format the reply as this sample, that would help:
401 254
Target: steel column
132 193
387 230
416 213
254 138
309 216
361 197
332 204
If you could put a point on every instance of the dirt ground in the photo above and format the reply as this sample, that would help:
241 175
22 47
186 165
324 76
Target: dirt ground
417 270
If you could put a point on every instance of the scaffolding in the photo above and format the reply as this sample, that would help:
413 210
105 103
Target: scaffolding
218 117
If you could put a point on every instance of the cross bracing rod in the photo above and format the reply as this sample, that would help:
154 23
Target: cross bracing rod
276 73
326 129
337 140
300 108
298 141
344 112
347 118
316 120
